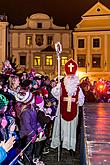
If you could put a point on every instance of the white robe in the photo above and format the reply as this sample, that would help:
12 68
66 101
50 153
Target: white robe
68 128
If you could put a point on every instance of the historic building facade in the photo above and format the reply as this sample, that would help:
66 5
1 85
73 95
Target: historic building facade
91 39
3 39
33 44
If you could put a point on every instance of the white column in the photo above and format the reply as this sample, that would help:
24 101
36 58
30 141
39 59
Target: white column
75 46
88 61
105 52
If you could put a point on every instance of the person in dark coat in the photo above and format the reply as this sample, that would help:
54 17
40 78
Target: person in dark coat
29 126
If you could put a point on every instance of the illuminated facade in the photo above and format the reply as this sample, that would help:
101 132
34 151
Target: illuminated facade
3 39
91 39
32 44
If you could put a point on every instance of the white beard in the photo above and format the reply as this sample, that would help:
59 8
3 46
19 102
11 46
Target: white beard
71 84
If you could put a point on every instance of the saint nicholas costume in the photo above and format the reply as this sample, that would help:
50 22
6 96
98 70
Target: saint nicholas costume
71 97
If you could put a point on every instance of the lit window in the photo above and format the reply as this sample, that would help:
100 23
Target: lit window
49 40
48 60
28 40
22 60
63 60
81 60
80 43
96 43
37 60
96 60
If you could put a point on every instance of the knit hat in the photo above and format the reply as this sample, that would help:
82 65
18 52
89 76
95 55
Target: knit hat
39 101
24 96
3 101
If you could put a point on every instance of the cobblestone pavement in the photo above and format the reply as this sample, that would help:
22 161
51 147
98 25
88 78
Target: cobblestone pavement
66 158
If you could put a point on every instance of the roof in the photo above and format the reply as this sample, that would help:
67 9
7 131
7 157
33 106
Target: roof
49 48
40 16
96 18
97 10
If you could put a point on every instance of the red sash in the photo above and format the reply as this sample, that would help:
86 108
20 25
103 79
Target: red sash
68 116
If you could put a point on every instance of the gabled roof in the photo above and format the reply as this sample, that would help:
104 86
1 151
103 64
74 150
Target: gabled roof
49 48
96 10
96 18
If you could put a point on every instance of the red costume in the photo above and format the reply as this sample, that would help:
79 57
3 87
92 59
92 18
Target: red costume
68 106
71 97
66 114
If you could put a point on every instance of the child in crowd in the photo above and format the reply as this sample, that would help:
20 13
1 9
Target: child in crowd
7 68
45 118
30 127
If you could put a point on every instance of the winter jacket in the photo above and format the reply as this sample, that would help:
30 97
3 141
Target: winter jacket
28 122
3 154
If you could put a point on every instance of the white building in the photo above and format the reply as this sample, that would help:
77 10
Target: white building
32 44
91 40
3 39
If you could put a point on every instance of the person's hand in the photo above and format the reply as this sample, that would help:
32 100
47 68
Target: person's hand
40 132
48 104
8 144
13 114
48 111
4 121
53 117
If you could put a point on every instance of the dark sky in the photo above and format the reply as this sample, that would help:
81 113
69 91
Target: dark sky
63 11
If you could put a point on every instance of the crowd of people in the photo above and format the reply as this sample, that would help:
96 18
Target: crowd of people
29 110
27 113
96 91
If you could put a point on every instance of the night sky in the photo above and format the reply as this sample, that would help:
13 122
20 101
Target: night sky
63 11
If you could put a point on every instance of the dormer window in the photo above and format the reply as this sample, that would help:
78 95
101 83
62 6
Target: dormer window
39 25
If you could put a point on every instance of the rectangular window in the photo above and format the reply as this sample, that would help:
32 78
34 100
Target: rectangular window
48 60
28 40
81 60
37 60
22 60
96 60
80 43
96 43
39 25
63 60
49 40
39 39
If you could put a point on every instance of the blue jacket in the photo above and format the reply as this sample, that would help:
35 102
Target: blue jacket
3 154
